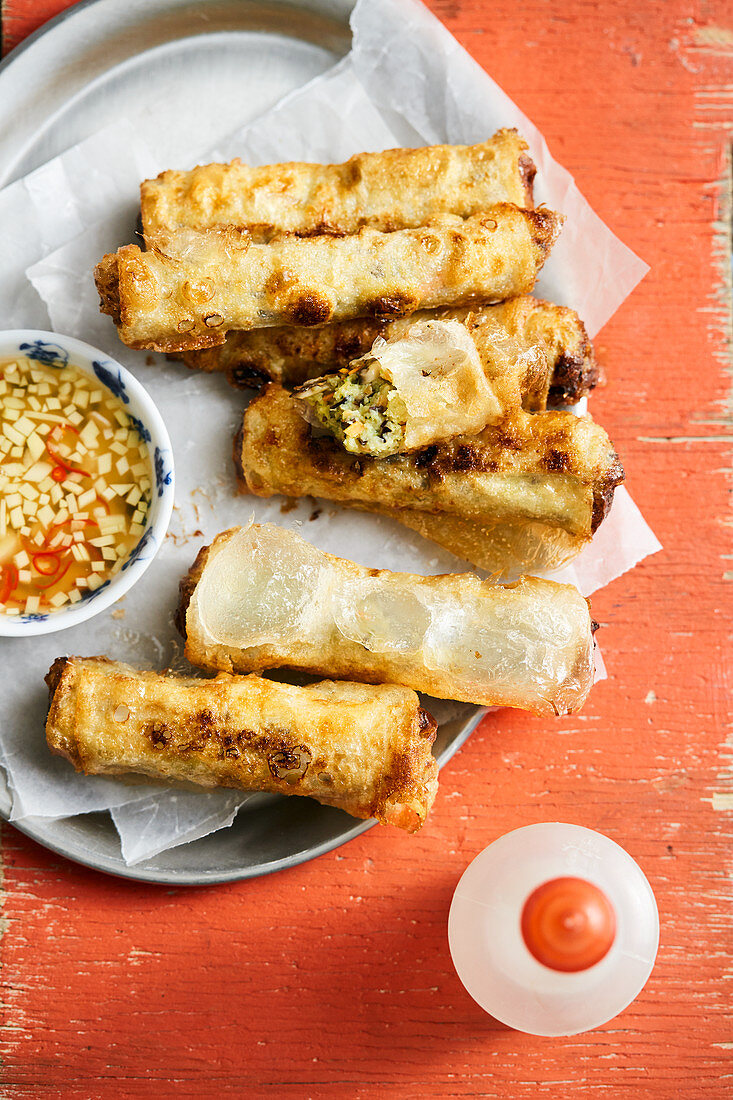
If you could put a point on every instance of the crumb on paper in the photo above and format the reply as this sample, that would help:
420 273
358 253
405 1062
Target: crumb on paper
288 505
118 613
183 536
179 538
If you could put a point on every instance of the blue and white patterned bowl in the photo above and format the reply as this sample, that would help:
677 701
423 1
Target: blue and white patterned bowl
54 350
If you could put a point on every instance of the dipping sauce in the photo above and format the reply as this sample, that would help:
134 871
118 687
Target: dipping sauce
75 485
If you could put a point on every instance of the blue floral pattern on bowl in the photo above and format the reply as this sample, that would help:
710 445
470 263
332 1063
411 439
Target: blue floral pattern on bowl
115 385
143 551
91 595
163 471
112 381
42 351
140 428
35 617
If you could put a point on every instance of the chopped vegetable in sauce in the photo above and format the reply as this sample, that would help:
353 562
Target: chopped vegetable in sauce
360 408
75 486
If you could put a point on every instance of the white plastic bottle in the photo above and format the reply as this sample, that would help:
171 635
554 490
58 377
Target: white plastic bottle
553 929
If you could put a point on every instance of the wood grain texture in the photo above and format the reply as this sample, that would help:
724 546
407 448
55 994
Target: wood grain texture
334 979
21 19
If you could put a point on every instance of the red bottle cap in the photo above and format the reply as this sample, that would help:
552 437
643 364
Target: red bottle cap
568 924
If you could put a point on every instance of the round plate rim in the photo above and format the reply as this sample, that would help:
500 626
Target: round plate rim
335 12
39 32
79 7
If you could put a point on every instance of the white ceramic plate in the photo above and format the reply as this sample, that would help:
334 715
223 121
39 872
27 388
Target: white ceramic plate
91 64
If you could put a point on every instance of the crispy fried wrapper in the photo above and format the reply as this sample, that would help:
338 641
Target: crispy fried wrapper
261 597
528 491
505 336
193 286
364 749
394 189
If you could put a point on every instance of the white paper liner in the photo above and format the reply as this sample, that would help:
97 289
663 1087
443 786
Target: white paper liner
51 206
150 826
406 81
621 542
405 57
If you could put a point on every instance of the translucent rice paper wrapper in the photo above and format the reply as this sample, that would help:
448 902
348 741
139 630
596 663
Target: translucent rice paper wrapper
405 82
455 629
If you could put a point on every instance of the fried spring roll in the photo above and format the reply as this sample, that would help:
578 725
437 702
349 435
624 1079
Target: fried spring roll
503 335
195 285
542 482
360 748
261 597
395 189
408 391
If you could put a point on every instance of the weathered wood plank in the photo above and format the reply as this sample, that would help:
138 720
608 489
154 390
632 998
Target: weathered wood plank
334 979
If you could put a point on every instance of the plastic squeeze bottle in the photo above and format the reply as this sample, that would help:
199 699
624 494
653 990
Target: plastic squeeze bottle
553 929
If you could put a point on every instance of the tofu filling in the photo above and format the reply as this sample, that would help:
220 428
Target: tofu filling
359 407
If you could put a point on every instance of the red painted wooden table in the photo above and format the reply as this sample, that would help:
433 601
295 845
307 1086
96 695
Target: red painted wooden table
334 979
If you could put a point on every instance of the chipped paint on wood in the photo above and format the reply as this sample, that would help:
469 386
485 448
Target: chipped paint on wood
719 40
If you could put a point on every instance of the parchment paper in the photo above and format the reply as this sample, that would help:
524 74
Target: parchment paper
406 81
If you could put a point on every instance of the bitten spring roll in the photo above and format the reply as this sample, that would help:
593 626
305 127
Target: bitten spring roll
261 597
503 335
407 392
394 189
363 749
195 285
531 489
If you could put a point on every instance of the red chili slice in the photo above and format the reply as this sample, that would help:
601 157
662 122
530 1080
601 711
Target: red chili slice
8 581
60 463
46 563
32 548
49 582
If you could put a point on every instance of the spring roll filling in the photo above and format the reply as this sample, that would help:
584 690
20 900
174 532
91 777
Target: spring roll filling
359 407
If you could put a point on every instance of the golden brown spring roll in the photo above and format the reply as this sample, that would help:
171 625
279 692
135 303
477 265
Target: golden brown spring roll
395 189
195 285
292 355
540 483
360 748
261 597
